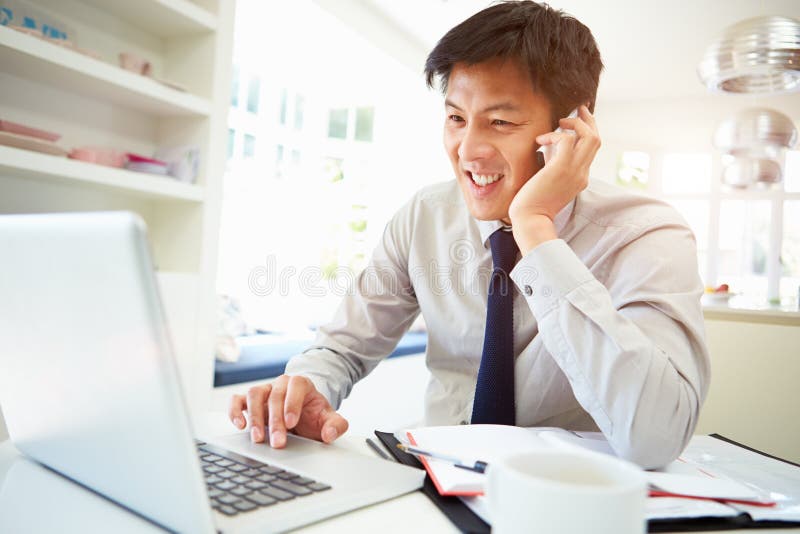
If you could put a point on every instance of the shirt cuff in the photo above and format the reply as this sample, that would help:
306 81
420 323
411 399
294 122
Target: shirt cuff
546 274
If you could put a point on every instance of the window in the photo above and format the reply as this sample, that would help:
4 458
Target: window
364 118
633 169
253 94
235 86
686 173
299 103
749 239
249 148
790 249
231 142
337 123
319 164
284 105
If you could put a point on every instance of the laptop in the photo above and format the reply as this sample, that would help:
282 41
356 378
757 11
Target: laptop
89 388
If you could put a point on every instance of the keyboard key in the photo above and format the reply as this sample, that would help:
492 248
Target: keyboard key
303 481
239 479
211 457
286 475
211 469
226 485
232 455
318 486
227 499
266 478
238 468
224 462
239 491
226 474
245 506
255 485
290 487
270 469
276 493
260 499
252 473
227 510
214 492
213 479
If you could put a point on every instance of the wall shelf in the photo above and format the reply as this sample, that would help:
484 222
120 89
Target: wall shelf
34 59
20 163
164 18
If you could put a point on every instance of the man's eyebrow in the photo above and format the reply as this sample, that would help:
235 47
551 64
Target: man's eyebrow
501 106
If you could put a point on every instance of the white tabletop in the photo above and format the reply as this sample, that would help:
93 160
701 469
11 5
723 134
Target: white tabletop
42 501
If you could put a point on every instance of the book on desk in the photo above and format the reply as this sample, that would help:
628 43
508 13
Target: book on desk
714 484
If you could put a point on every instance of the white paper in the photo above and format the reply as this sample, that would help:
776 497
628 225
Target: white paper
701 486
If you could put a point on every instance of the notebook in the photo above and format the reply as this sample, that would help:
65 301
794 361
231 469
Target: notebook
491 443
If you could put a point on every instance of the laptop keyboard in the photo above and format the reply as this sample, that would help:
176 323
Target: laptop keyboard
239 484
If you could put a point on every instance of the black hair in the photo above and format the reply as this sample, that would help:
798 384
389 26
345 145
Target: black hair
558 51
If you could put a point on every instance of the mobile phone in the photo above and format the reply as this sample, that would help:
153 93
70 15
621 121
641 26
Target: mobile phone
548 151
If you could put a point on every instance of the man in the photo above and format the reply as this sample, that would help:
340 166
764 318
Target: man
590 318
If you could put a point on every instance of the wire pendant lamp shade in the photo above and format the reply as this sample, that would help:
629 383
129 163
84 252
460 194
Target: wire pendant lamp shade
758 55
755 129
754 141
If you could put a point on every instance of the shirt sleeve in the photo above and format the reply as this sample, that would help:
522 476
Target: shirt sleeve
377 310
633 350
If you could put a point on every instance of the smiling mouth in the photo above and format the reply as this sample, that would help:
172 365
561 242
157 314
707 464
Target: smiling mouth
482 180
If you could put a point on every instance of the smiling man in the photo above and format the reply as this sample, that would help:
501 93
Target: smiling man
549 300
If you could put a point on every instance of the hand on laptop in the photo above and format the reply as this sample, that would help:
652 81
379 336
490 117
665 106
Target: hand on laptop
288 403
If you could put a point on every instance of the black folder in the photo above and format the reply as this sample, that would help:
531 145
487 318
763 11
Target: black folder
466 521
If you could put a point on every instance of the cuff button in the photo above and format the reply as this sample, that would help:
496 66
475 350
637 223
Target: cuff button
528 290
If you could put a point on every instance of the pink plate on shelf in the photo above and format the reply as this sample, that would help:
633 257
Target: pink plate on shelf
31 143
21 129
100 156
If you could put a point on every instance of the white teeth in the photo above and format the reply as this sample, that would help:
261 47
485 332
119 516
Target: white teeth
485 179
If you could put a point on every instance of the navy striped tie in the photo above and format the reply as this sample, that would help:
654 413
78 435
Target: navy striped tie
494 393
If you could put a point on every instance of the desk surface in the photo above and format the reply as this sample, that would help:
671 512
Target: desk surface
51 503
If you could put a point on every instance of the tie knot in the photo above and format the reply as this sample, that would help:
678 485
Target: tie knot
504 250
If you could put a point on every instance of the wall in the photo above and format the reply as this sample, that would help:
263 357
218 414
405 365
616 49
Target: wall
754 396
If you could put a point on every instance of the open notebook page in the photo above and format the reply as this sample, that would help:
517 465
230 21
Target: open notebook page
488 443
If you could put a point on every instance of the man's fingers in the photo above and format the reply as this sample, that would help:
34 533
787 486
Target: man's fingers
256 398
275 404
335 425
297 389
237 405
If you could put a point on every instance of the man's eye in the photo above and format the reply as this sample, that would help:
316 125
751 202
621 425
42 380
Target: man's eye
455 118
500 122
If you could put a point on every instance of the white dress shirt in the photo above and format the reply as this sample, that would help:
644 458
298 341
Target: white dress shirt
608 328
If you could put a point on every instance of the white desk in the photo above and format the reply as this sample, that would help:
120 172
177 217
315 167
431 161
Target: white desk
47 502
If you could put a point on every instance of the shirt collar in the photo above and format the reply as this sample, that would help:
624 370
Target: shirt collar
487 228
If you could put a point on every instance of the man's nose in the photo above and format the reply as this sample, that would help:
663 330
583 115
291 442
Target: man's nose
474 145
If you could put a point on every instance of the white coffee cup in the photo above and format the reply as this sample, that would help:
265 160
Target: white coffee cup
561 492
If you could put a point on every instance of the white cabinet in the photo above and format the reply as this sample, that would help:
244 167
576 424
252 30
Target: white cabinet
94 102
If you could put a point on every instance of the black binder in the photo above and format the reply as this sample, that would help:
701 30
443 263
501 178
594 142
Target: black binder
455 510
466 521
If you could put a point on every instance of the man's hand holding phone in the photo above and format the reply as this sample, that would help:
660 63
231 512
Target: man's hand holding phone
290 403
558 182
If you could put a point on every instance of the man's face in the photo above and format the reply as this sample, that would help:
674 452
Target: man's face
492 119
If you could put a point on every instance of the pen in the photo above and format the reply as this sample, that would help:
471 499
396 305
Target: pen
374 447
478 466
